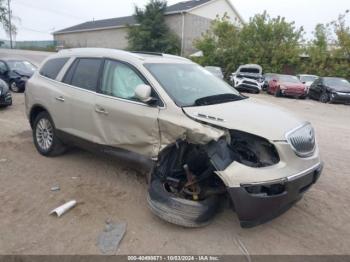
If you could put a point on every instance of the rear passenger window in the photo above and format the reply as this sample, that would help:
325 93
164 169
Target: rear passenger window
52 67
84 73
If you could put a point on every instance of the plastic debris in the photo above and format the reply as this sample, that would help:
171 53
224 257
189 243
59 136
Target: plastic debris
110 238
55 188
64 208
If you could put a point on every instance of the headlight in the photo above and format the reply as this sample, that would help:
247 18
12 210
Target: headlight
302 140
24 78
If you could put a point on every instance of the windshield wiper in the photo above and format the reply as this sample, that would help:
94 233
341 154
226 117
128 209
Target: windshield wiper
218 99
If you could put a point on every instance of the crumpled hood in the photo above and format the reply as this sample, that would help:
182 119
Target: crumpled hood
249 115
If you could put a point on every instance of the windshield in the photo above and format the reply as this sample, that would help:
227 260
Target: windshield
187 84
308 78
215 71
337 82
21 65
288 79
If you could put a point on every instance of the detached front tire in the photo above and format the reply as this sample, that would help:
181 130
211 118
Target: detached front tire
45 138
180 211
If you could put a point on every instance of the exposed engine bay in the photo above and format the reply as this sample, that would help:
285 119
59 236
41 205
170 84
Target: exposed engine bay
188 170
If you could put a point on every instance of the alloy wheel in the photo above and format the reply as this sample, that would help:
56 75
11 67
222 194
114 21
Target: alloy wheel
44 134
14 87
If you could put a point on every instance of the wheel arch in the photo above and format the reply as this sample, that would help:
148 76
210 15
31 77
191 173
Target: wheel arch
35 111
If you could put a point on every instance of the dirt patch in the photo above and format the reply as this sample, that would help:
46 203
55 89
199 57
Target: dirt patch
112 190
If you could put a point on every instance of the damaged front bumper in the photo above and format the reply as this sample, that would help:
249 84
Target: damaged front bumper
261 194
258 203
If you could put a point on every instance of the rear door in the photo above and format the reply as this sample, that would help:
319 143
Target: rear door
82 79
50 93
122 120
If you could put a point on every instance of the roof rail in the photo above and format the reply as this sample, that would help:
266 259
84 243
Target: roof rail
147 53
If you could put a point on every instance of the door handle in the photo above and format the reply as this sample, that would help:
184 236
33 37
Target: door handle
60 98
101 110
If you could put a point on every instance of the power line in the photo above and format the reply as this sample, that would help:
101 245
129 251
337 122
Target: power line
56 12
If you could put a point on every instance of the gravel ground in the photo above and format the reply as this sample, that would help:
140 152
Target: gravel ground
111 190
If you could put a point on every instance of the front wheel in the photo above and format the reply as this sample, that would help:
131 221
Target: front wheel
179 211
44 135
14 87
324 98
278 93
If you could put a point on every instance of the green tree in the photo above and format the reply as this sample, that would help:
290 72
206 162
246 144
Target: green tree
318 49
272 43
329 50
151 32
4 18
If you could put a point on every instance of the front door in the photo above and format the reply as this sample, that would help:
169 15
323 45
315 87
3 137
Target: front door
121 119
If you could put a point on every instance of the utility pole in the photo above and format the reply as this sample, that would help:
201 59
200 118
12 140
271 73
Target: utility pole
10 24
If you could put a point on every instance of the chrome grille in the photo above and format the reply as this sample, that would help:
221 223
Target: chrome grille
302 140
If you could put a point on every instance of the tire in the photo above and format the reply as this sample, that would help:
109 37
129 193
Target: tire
44 128
179 211
14 88
324 97
278 93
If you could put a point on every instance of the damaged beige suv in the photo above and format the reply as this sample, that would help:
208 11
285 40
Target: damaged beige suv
207 142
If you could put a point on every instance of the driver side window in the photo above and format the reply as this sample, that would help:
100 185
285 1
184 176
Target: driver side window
120 80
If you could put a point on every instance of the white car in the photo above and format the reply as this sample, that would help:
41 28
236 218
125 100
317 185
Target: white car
248 78
308 80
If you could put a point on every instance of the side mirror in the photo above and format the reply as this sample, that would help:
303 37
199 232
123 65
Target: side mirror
143 93
274 80
304 82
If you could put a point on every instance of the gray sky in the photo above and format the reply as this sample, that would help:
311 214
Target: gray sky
38 18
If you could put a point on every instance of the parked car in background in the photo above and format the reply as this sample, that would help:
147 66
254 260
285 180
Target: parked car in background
330 89
307 80
5 94
267 78
15 73
287 85
216 71
248 78
200 134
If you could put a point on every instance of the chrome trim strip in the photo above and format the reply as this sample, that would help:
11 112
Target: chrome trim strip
285 179
305 172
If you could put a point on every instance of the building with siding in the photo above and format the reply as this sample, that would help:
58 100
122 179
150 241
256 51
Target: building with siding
187 19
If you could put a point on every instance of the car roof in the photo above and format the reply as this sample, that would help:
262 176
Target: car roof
143 57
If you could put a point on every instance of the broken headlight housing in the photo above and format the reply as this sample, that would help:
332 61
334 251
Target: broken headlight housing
302 139
252 150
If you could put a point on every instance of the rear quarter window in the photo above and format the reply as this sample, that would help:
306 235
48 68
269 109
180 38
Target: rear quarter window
52 67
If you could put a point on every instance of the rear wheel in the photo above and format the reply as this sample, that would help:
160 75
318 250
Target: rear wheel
324 98
45 139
